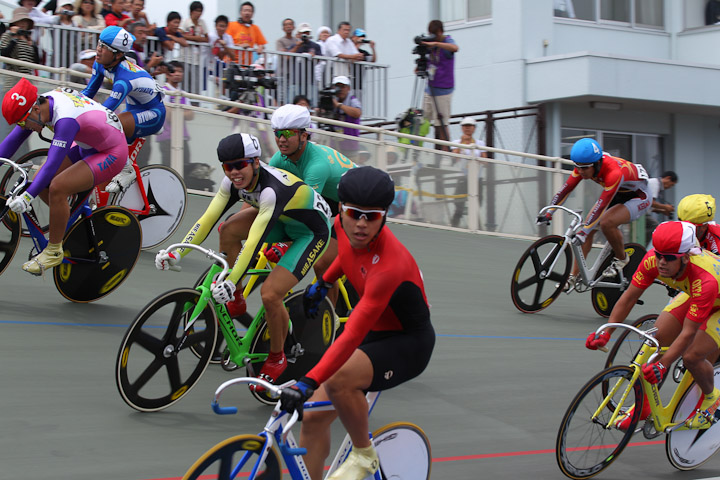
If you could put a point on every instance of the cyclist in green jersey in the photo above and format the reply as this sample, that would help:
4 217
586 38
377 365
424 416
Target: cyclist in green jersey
318 166
286 209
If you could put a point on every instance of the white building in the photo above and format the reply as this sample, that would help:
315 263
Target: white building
642 75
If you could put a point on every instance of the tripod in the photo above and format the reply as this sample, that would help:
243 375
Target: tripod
418 96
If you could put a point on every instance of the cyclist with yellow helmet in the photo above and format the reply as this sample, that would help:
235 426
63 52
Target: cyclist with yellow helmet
699 209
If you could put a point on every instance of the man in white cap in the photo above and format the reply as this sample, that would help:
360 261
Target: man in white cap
347 109
323 33
83 65
467 125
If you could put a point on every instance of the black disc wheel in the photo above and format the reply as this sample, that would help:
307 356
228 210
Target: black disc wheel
9 234
100 252
605 298
237 455
304 345
534 286
157 363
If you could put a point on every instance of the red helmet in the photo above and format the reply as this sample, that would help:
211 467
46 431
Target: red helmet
18 101
674 237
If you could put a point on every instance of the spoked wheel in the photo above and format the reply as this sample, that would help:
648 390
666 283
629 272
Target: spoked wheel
154 368
533 286
40 212
221 352
604 299
236 456
304 346
403 450
688 449
167 197
9 234
100 252
585 445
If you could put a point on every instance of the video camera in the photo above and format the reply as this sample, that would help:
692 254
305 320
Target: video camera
243 78
422 51
326 98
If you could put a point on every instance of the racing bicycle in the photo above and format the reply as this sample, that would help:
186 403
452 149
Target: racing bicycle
157 196
101 246
543 271
588 440
170 343
403 448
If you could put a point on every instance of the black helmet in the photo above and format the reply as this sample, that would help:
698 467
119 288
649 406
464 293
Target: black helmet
366 187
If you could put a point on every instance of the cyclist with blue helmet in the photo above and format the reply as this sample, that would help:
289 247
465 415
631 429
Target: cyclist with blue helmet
626 197
145 113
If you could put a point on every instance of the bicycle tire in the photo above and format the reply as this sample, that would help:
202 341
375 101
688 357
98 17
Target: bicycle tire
219 461
536 301
40 210
156 331
688 449
593 452
404 451
167 196
9 234
91 275
604 299
314 335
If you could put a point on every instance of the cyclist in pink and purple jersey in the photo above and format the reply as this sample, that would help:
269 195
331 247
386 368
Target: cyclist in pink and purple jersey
83 130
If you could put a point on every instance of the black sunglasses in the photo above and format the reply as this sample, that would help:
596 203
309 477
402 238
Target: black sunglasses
669 257
237 165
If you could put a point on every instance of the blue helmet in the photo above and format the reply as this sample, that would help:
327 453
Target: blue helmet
117 38
586 151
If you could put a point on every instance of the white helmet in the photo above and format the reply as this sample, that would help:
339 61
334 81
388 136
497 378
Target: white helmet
290 117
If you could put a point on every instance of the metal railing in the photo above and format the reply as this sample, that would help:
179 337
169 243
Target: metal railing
429 182
205 74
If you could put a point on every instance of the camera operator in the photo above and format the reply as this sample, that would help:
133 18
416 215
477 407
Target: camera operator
347 108
359 38
441 78
305 43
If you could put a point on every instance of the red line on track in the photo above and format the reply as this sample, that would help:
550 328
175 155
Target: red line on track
470 457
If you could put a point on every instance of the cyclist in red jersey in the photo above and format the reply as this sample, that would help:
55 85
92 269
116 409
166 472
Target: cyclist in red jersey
699 209
689 324
625 197
388 338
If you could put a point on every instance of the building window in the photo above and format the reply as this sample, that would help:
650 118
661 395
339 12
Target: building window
347 11
462 11
635 13
638 148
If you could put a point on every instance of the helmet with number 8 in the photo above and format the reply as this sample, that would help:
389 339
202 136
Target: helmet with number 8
698 209
117 38
586 151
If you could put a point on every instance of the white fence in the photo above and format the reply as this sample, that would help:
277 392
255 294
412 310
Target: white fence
429 182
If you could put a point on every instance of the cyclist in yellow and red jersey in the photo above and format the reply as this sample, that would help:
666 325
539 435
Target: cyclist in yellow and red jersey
689 324
625 197
699 209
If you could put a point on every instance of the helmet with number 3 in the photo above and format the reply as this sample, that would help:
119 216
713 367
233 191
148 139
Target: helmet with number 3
117 39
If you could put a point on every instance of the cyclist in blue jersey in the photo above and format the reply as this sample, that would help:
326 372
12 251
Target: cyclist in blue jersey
145 111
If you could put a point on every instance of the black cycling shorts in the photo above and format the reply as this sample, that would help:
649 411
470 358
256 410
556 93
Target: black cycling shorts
398 356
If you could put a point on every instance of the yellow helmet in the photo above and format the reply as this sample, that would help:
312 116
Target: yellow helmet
697 209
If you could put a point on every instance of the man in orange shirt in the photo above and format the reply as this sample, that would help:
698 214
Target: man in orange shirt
246 34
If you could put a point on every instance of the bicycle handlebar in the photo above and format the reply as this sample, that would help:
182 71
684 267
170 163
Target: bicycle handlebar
275 391
577 215
208 252
22 168
652 339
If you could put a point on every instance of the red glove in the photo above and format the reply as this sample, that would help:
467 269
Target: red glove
594 342
654 372
275 251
